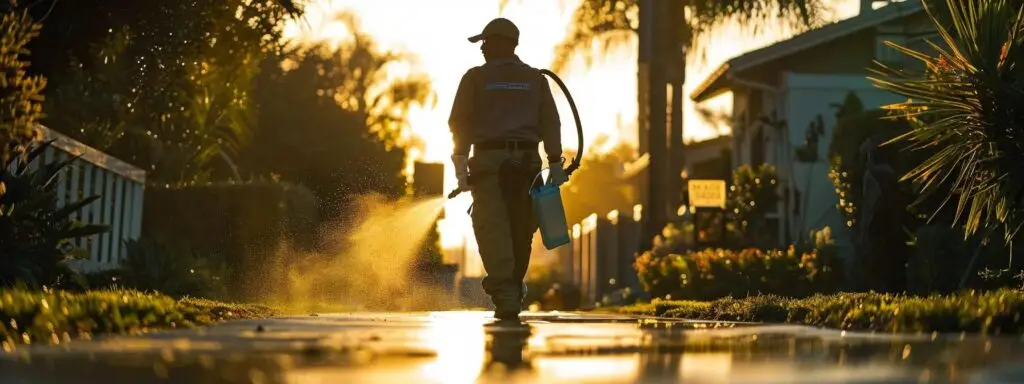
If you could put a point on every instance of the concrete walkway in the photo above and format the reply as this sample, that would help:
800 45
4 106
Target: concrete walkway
462 347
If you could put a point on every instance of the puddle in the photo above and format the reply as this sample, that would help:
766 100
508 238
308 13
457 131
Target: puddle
453 347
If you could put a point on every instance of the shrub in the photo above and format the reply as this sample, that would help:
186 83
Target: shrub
717 273
941 259
659 268
753 194
172 269
989 312
36 233
54 316
547 287
846 165
246 224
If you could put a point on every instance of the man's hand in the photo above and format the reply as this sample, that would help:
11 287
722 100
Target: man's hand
556 174
462 171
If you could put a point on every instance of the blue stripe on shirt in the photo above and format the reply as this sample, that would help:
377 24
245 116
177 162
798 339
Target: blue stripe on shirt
508 86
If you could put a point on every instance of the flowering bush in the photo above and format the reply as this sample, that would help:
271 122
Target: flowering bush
717 273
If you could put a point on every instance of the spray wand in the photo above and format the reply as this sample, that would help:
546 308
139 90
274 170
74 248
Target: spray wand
575 164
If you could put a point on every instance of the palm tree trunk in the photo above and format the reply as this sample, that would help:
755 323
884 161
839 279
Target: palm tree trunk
677 76
675 146
654 15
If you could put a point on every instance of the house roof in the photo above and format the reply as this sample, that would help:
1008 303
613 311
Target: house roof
714 142
717 83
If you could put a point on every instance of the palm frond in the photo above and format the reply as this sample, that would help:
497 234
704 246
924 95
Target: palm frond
607 23
800 14
970 109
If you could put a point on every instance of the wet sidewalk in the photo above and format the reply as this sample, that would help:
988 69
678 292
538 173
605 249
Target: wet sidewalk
461 347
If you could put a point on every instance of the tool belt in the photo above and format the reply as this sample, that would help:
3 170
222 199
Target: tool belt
511 145
516 173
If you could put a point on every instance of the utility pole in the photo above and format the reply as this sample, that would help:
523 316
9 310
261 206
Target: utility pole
653 35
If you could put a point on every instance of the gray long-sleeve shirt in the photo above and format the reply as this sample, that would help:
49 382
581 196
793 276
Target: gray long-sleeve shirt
505 100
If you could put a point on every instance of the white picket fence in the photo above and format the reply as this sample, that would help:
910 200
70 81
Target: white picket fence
121 187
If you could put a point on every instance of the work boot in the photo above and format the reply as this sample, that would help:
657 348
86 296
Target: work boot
506 315
507 309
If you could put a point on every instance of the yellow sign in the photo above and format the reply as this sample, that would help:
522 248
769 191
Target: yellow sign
707 193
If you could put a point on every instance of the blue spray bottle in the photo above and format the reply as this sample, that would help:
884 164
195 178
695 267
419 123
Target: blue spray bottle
547 205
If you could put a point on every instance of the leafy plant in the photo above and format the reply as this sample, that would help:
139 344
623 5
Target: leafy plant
968 109
20 94
36 233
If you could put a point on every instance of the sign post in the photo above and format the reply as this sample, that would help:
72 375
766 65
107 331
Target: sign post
708 198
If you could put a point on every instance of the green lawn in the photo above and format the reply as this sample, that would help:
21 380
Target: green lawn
990 312
58 316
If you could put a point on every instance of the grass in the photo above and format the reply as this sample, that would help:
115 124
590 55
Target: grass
55 317
986 312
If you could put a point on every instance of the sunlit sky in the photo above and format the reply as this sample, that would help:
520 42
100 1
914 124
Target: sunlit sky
435 32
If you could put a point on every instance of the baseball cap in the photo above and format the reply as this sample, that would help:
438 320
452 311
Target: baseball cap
498 27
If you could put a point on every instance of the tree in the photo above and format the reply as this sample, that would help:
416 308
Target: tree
20 94
615 21
338 130
74 27
181 92
363 86
597 187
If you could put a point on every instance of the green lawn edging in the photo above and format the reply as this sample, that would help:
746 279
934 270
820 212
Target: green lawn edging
986 312
55 317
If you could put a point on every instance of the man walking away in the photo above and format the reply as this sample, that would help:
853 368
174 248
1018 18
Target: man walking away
503 110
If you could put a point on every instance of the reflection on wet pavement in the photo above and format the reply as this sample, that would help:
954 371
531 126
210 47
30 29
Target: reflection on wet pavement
464 347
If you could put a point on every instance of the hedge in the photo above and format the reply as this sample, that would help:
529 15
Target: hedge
245 225
717 273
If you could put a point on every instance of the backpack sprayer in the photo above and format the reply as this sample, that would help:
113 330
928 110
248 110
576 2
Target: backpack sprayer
547 198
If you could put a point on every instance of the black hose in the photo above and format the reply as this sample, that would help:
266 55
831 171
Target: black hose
576 116
575 164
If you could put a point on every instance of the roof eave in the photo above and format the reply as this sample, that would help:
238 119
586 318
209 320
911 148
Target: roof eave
714 85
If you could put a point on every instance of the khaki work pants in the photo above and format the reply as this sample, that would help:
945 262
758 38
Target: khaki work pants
503 219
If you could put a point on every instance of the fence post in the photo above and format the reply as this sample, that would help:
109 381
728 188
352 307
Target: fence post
629 229
589 259
608 266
